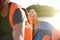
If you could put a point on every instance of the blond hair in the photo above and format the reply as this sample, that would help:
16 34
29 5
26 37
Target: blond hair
32 11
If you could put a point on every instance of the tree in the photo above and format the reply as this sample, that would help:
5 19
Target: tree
43 11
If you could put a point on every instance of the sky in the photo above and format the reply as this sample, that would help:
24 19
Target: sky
26 3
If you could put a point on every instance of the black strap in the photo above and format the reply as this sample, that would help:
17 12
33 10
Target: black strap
26 12
10 4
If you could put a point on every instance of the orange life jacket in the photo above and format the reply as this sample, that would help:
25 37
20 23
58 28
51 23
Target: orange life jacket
13 7
28 28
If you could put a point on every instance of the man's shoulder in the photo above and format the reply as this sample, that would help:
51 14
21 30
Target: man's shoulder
18 10
15 4
14 7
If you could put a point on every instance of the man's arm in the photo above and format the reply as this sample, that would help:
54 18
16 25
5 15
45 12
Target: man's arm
17 32
18 25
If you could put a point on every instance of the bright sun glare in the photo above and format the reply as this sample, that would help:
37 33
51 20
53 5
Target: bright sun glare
56 21
56 4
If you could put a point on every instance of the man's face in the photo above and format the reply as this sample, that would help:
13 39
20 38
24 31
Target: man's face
3 4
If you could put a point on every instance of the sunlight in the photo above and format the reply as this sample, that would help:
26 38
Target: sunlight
56 4
56 21
53 3
57 7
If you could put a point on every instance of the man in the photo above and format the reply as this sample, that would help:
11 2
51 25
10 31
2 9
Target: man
5 27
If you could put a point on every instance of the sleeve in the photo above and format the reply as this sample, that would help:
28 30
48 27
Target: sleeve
17 16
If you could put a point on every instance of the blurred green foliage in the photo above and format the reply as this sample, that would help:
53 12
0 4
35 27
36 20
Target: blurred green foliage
43 11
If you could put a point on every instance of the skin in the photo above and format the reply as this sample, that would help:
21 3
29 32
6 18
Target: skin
3 8
17 31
